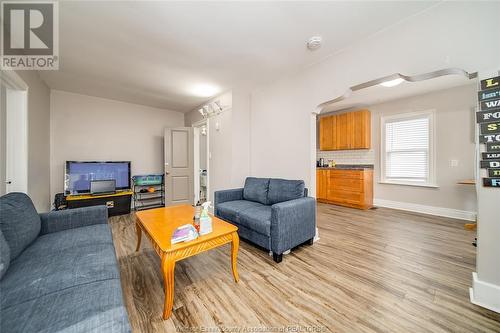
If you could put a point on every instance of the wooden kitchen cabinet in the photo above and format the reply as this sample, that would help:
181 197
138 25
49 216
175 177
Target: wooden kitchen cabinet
345 187
351 130
321 183
326 128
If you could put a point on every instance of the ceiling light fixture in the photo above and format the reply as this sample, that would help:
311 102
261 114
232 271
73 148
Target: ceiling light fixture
204 90
392 83
314 43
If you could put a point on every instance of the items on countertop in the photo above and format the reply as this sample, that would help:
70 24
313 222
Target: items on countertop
344 166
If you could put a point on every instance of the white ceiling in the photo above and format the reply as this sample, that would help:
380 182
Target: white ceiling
378 94
154 53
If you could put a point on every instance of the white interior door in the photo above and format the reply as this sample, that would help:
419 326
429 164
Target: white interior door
15 141
179 166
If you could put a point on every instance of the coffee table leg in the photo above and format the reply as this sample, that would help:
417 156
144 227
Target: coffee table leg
168 267
234 254
138 231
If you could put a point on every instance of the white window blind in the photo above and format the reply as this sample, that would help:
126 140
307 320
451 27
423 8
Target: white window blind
407 150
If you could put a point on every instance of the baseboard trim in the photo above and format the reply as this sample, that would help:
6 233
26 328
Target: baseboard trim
431 210
485 294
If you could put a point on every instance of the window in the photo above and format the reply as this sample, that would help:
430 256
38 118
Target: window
407 152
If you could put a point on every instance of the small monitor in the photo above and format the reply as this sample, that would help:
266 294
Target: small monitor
102 186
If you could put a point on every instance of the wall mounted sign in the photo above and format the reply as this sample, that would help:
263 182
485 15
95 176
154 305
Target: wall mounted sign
493 82
494 172
489 138
491 182
491 156
493 146
490 128
490 164
490 105
488 94
487 116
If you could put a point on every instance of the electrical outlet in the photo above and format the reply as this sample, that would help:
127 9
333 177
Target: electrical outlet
453 163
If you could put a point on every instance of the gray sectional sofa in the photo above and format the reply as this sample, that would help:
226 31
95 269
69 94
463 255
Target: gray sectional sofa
275 214
58 270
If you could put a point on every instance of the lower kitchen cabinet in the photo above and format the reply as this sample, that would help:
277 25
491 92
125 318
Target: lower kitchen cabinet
345 187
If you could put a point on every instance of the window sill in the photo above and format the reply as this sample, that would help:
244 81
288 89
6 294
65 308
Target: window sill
409 184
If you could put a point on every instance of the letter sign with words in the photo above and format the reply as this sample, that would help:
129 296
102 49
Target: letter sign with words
493 82
488 94
493 146
491 182
487 116
489 138
490 164
490 128
494 172
490 105
491 156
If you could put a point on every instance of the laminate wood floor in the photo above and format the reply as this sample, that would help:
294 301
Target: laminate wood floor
380 270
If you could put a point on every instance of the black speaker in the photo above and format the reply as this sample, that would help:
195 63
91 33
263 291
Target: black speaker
60 201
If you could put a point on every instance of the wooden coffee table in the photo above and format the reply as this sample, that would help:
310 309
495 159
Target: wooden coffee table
159 225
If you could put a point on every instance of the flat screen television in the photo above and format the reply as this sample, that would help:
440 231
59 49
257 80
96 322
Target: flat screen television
79 174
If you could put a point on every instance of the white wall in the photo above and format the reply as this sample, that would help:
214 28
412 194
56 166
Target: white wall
229 146
3 138
280 123
454 125
38 140
92 128
454 110
450 34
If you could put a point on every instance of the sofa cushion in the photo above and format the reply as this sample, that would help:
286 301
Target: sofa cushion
58 261
230 210
281 190
256 189
4 255
92 307
257 218
19 222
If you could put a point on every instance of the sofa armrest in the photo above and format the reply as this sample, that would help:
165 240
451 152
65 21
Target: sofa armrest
228 195
292 223
60 220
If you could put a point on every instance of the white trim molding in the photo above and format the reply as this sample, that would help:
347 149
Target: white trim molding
424 209
485 294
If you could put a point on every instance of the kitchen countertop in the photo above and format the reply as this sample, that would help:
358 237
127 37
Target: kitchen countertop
349 167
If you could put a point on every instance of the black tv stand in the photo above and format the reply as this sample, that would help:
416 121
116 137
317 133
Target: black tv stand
118 203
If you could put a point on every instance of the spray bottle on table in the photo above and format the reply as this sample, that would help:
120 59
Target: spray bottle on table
205 220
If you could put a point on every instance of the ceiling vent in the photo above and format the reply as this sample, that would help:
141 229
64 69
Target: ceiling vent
314 43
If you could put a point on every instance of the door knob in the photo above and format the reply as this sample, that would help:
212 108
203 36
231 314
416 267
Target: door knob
8 182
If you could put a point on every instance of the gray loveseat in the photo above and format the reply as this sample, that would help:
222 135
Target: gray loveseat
275 214
58 270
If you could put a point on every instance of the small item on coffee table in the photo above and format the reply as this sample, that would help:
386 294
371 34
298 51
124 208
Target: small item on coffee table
205 220
184 233
196 217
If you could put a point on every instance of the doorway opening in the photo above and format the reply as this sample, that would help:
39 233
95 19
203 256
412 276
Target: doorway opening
201 162
14 134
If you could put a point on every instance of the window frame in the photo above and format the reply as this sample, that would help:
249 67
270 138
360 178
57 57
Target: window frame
431 115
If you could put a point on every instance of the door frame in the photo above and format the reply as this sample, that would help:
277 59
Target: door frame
16 96
168 164
196 152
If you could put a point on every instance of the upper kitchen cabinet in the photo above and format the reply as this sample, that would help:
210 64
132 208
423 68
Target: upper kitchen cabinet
326 129
351 130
